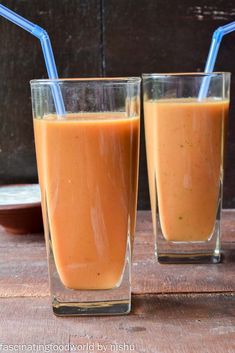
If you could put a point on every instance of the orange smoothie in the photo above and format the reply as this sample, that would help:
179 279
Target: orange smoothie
184 140
88 172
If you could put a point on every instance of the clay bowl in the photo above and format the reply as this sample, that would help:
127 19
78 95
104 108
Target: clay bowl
20 209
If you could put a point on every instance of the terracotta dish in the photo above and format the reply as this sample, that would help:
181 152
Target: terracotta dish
20 208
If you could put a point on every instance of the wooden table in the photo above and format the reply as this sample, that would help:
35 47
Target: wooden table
176 308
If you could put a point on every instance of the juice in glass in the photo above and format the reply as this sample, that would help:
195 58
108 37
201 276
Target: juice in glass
185 162
87 162
185 151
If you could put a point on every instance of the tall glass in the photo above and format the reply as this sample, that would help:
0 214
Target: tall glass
88 172
185 152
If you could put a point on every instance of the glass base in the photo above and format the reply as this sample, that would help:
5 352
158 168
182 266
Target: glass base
81 302
198 252
188 258
121 307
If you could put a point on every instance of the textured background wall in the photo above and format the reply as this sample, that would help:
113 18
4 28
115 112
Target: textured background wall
111 38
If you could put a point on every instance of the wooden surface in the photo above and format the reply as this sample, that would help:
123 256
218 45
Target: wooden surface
175 309
111 38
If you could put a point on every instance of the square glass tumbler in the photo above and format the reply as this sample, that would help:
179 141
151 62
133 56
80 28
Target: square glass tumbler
185 125
87 162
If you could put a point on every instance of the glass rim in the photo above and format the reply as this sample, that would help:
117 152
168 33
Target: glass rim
186 74
108 80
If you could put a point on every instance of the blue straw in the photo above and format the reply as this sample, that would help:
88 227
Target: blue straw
214 48
42 35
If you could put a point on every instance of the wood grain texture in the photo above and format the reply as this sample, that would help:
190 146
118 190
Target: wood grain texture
176 322
162 324
74 30
151 277
23 267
